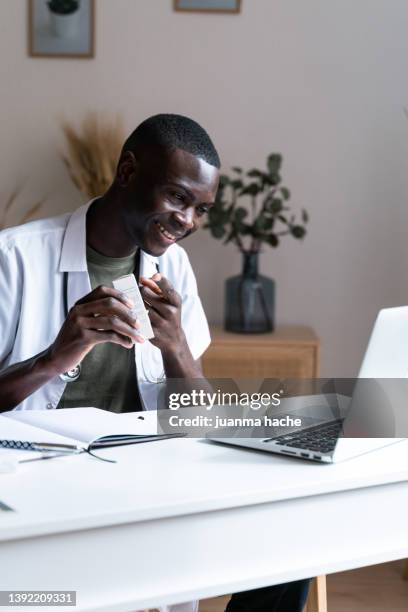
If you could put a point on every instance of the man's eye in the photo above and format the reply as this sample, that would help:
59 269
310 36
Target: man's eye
178 196
203 209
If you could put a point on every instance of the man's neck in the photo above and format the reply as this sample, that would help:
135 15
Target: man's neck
105 231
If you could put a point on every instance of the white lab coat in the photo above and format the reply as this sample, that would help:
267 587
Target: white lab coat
33 260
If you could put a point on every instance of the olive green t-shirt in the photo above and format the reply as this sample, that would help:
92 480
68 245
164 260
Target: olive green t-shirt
108 371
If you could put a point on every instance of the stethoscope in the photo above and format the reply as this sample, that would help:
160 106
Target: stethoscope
73 374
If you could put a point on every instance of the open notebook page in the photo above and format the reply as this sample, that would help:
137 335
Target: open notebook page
86 425
11 429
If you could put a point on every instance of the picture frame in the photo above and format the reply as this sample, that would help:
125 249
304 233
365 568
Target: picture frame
56 34
208 6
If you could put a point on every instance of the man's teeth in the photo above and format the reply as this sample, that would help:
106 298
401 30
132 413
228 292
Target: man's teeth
165 232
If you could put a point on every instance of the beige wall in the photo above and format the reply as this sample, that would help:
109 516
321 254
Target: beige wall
323 81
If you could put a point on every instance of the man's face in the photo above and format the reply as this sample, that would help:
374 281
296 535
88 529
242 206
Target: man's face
166 196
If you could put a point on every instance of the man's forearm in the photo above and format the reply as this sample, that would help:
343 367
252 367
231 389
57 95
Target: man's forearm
179 363
22 379
183 374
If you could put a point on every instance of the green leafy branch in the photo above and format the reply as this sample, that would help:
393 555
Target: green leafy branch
265 216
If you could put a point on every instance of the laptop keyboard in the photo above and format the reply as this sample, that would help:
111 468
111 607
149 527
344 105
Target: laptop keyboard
321 438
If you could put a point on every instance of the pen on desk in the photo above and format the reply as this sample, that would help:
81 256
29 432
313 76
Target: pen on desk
39 446
61 448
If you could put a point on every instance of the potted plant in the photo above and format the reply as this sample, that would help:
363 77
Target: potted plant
64 17
264 218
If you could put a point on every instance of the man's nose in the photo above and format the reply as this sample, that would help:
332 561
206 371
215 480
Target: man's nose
185 218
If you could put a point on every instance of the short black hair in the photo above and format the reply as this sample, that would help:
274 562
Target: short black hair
169 131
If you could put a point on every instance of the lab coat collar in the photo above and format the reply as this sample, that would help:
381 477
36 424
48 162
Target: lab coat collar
73 254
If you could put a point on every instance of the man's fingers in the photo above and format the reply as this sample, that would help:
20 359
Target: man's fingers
102 292
169 293
154 302
112 324
162 287
152 284
108 306
155 318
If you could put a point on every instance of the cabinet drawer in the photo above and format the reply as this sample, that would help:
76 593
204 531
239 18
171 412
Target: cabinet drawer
226 361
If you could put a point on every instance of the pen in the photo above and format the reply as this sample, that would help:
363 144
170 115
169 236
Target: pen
39 446
61 448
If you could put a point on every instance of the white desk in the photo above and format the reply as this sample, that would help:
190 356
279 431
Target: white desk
182 519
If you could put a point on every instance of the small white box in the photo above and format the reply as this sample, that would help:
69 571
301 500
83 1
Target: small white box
128 285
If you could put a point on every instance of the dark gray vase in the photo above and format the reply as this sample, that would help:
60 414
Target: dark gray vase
250 299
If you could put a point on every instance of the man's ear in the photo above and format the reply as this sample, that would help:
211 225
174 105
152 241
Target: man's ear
127 169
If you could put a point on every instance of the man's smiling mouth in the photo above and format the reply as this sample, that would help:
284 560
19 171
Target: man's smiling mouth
165 232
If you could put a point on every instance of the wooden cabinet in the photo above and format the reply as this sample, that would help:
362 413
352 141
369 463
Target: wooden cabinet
291 351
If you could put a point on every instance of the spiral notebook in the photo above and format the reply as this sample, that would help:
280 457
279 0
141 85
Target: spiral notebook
83 427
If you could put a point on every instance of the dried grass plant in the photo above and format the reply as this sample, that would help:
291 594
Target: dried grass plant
93 152
29 215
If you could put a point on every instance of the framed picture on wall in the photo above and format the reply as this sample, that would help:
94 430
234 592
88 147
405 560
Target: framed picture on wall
61 28
208 6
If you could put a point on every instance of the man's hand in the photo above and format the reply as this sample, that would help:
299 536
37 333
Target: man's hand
164 306
101 316
104 315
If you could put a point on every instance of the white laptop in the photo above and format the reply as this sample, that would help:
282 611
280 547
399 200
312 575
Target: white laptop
336 416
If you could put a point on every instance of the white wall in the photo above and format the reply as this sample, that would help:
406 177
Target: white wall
323 82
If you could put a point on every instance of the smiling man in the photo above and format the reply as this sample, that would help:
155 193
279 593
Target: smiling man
68 338
58 307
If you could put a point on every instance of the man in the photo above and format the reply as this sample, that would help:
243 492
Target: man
69 339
